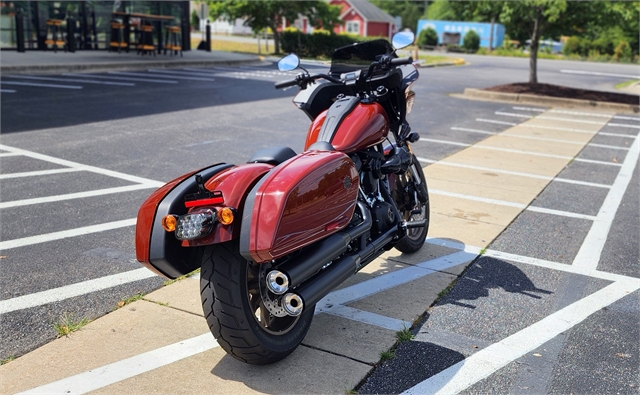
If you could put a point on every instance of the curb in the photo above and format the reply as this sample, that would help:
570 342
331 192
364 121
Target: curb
45 69
456 62
480 94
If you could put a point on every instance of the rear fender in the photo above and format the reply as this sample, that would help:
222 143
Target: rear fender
156 249
234 183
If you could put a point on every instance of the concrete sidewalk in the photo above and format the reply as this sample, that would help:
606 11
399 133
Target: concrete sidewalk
44 62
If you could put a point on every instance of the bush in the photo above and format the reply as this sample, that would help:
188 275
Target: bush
428 37
623 52
571 46
195 20
471 41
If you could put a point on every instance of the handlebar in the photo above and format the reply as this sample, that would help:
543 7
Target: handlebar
303 79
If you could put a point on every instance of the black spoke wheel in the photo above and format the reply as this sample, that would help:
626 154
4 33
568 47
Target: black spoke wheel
412 199
235 311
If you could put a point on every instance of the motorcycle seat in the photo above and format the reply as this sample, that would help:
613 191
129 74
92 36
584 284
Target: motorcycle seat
273 156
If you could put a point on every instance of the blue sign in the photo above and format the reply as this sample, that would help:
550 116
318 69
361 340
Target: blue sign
483 30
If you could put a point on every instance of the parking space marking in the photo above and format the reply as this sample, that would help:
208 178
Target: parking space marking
109 77
571 120
590 114
65 234
72 290
589 254
37 173
40 85
8 154
512 204
485 362
118 371
473 130
560 213
496 122
366 317
511 114
617 135
7 91
624 125
178 77
177 72
80 166
600 74
514 173
77 195
31 77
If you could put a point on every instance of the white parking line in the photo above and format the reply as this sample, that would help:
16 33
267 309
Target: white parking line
37 173
511 114
7 91
445 142
571 120
31 77
111 77
623 125
73 290
40 85
617 135
158 75
177 72
473 130
590 114
514 173
8 154
596 73
589 254
367 317
482 364
561 213
65 234
496 122
77 195
118 371
79 166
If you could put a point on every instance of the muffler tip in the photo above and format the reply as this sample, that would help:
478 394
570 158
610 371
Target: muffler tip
293 304
277 282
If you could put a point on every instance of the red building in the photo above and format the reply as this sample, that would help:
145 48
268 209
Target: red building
363 18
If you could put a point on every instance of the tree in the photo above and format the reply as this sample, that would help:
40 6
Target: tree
535 16
270 14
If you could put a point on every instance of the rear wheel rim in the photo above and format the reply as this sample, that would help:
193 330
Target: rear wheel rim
269 323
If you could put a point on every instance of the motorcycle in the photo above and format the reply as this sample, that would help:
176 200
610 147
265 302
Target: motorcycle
272 237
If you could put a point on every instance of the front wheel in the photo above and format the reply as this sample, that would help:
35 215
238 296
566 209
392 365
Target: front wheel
412 198
235 311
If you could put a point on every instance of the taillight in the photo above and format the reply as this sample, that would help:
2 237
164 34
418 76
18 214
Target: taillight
195 225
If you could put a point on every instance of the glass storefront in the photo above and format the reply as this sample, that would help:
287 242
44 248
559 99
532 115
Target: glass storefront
88 21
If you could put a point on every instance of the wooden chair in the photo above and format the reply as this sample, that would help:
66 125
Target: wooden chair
117 36
173 40
146 40
54 28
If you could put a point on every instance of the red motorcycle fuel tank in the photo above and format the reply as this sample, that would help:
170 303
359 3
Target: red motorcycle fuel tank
306 198
350 125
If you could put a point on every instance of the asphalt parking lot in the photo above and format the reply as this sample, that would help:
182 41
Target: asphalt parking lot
557 277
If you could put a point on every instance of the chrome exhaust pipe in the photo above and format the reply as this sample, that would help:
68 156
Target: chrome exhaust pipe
277 282
295 271
292 304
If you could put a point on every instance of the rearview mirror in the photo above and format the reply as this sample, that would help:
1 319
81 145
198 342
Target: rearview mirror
289 62
402 39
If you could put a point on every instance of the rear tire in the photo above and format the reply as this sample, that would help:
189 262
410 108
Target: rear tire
236 315
405 199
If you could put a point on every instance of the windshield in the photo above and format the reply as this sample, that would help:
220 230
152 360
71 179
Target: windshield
358 56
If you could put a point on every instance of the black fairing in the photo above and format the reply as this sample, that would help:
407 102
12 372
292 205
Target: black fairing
165 251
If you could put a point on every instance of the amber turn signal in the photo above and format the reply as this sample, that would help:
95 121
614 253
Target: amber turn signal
169 223
225 216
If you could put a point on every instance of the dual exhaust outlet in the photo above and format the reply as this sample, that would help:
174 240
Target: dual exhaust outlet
300 269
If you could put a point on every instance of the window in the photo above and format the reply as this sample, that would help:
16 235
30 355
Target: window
353 27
